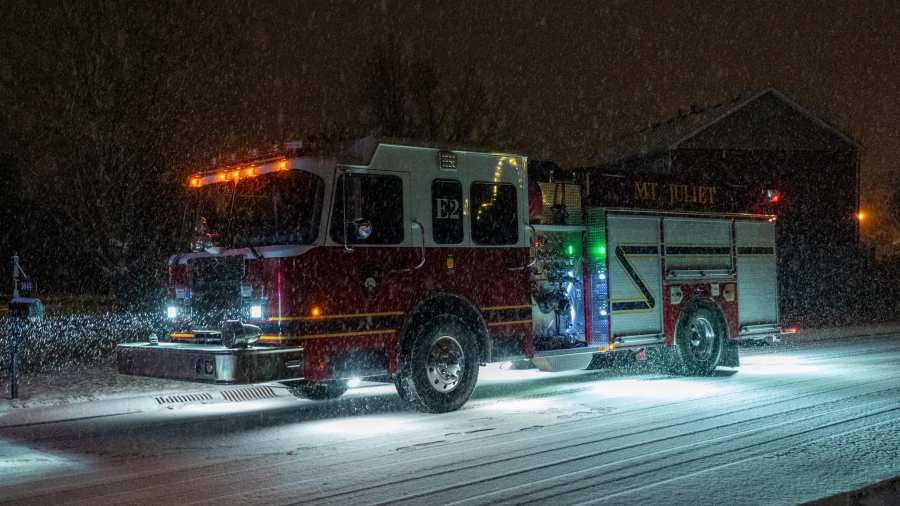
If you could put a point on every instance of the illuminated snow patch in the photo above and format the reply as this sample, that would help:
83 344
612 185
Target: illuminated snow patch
22 462
503 373
225 407
363 426
777 365
655 389
519 405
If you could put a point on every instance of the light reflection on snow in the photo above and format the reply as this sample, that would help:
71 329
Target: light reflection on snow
363 426
777 365
494 372
225 407
21 461
526 405
656 389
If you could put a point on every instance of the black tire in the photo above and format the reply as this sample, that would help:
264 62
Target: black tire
398 384
319 390
700 342
439 367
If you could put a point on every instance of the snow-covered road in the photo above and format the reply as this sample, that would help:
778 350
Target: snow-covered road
796 423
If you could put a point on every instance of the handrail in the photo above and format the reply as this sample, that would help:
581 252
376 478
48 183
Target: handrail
421 228
345 181
533 259
699 273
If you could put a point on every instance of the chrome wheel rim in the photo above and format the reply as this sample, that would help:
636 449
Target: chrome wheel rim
445 364
701 337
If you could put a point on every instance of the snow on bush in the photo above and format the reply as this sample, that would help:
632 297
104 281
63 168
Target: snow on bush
59 342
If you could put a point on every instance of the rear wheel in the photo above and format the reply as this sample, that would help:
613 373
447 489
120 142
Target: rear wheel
440 367
701 336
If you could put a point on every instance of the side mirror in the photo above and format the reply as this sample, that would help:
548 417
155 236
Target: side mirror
363 228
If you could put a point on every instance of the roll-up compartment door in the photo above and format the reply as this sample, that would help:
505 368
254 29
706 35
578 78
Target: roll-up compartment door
757 287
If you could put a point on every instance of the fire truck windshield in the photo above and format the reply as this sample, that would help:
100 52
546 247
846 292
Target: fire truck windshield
281 207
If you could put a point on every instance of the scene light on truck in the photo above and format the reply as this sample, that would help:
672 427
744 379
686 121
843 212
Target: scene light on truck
171 312
256 311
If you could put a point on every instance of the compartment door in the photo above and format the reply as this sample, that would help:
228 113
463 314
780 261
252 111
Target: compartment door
757 286
635 283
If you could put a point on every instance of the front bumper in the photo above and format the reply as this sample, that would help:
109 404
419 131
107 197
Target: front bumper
210 363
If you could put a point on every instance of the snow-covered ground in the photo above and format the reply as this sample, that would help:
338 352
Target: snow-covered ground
799 421
101 382
85 384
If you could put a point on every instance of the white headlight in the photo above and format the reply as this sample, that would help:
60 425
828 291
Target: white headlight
256 311
171 312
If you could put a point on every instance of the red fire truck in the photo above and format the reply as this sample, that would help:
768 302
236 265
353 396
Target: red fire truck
416 263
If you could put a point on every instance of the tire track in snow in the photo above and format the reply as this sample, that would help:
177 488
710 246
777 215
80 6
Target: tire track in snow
650 457
568 460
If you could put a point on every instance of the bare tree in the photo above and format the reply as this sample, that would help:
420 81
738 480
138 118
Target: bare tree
407 98
93 117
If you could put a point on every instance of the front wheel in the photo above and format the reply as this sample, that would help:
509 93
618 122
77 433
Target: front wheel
440 367
701 336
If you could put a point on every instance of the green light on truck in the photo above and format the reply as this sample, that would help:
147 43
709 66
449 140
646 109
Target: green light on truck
598 252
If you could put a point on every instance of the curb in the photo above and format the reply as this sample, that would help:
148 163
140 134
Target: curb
75 411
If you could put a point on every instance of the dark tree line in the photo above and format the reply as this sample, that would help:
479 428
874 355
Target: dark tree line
109 106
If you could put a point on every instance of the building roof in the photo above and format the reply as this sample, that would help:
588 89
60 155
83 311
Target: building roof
669 135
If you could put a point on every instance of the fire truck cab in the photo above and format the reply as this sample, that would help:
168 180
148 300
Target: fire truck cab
416 263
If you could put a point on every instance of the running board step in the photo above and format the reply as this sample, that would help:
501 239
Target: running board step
564 360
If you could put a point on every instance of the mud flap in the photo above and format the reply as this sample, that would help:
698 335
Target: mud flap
730 356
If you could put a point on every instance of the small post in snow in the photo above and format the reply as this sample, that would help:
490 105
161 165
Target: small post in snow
23 306
13 358
16 269
14 339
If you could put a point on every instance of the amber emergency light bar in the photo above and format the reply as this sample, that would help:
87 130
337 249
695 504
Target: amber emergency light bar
236 172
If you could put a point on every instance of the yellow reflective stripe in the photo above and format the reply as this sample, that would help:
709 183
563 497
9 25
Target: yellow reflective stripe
496 308
511 322
334 316
331 334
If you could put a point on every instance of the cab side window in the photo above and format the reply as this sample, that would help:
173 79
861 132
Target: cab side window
446 211
494 213
374 203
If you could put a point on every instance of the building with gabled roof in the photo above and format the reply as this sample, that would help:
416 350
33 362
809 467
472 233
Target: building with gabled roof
765 141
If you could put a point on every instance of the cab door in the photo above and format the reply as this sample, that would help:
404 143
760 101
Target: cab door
370 224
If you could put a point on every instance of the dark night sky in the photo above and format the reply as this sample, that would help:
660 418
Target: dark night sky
590 71
579 73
